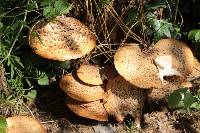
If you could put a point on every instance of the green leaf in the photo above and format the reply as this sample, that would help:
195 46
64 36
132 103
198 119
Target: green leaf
132 16
46 2
194 35
174 99
3 125
195 105
64 64
61 7
197 37
43 80
49 12
188 99
31 94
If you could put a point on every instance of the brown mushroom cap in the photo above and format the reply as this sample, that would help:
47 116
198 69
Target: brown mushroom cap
64 39
24 124
92 110
123 98
139 68
80 91
136 67
182 56
94 74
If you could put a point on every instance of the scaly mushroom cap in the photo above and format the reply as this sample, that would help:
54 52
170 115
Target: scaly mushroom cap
123 98
140 68
94 74
79 90
24 124
65 38
92 110
136 67
182 56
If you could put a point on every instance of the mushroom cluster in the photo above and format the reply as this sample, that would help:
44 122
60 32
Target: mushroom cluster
96 92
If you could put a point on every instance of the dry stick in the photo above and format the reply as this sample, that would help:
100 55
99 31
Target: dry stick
117 18
15 40
175 15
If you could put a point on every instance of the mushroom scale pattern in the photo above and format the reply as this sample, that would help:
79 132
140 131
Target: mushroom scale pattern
139 67
63 39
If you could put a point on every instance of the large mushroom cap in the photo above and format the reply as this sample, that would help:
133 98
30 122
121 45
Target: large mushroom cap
123 98
142 69
79 90
92 110
24 124
136 67
65 38
94 74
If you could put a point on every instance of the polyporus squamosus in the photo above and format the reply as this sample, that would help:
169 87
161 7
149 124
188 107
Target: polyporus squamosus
123 98
92 110
24 124
63 39
94 74
147 69
79 90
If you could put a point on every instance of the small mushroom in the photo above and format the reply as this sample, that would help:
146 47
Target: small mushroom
24 124
123 98
147 69
79 90
92 110
94 74
63 39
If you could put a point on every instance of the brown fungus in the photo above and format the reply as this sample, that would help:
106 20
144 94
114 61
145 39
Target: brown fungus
79 90
122 98
24 124
63 39
144 71
92 110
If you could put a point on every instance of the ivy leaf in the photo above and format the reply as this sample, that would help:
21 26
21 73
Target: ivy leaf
49 12
174 100
188 99
31 94
194 35
61 7
132 16
43 79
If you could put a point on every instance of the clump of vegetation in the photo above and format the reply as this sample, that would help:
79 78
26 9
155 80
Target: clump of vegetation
183 98
22 69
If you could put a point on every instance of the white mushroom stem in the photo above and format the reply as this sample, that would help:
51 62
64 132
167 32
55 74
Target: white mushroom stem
164 65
